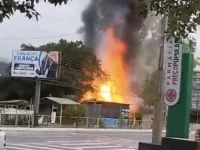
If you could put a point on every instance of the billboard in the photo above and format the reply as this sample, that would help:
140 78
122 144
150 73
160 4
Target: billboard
173 60
35 64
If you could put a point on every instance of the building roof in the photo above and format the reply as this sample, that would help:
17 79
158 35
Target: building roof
61 101
15 102
102 102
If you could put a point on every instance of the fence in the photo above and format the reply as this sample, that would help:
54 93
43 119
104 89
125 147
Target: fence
15 120
84 122
61 121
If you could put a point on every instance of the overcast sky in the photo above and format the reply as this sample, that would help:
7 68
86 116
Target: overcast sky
59 20
55 21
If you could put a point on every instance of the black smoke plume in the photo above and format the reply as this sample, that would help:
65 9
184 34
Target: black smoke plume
99 15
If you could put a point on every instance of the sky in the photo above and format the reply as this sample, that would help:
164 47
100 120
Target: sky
56 23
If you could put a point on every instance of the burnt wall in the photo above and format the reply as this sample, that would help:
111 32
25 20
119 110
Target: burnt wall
105 110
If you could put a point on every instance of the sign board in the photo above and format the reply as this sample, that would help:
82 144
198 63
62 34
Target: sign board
53 117
35 64
2 139
124 112
173 60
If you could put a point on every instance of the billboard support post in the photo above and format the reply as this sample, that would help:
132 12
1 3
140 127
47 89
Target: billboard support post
37 101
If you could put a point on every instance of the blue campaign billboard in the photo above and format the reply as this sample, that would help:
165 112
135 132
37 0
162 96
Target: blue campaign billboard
35 64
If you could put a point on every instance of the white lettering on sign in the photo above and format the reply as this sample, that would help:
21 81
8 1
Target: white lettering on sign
173 60
26 58
35 64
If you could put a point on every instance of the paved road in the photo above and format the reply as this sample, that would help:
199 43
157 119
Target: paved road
70 140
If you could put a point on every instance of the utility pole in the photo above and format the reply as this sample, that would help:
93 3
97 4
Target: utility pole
159 102
36 102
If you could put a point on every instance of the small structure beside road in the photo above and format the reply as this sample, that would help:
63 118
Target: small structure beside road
104 109
15 112
53 106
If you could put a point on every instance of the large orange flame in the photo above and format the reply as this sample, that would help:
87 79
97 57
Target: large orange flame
115 89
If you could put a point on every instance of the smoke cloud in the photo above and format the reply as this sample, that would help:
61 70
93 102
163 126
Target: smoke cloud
138 34
146 62
101 14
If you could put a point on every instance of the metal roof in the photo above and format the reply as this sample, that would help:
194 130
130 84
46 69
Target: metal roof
14 102
61 101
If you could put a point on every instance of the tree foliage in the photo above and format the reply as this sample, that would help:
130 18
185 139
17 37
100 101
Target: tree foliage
78 68
192 44
27 7
73 114
149 94
183 15
74 111
11 88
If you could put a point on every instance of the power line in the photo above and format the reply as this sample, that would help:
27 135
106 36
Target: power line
62 84
74 64
40 37
91 70
78 66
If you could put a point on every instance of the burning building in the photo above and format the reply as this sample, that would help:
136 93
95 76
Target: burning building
104 109
112 29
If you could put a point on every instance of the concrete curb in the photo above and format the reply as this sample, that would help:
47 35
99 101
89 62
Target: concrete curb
83 130
76 130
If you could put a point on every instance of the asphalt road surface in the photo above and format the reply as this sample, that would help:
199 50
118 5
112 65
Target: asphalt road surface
69 140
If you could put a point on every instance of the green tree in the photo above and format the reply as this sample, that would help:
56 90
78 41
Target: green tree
15 88
79 64
27 7
192 44
12 88
73 114
78 68
183 16
149 93
74 111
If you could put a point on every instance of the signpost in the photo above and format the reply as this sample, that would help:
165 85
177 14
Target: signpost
178 89
173 60
124 112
